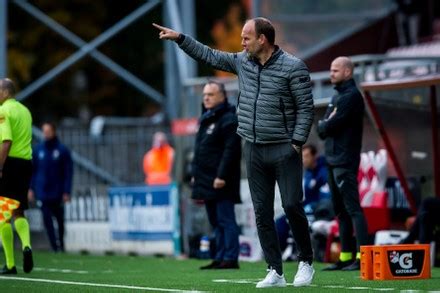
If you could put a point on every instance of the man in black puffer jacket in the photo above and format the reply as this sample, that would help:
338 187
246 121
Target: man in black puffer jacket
216 172
275 114
342 130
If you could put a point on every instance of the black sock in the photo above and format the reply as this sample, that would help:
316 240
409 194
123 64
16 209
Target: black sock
278 270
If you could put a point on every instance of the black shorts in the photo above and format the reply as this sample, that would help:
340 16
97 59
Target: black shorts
16 180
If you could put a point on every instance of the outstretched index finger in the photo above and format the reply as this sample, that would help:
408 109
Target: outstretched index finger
159 27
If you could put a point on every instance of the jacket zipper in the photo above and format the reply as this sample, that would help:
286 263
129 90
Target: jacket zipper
255 103
237 110
282 107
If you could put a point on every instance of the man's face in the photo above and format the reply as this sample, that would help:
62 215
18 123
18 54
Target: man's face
48 132
308 159
159 139
251 44
212 96
338 72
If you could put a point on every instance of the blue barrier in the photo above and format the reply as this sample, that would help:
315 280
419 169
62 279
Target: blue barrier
145 213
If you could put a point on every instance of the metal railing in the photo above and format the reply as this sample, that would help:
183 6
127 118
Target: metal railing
119 151
88 204
375 68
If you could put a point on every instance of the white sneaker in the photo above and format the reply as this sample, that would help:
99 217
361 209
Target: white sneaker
304 275
272 280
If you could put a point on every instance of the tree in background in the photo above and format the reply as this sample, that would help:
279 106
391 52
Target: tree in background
220 27
226 32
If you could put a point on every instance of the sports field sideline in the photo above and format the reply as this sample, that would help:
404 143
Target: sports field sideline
86 273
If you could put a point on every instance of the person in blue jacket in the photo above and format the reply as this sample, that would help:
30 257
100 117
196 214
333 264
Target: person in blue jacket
52 182
314 178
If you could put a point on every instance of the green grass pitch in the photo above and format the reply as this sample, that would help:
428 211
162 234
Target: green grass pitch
91 273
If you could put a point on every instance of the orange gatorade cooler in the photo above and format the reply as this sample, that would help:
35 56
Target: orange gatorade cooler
367 262
400 262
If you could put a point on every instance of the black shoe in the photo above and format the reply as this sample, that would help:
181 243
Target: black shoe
339 265
228 264
28 262
6 271
355 266
212 265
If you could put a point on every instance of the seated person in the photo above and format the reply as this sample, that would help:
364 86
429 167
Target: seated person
315 178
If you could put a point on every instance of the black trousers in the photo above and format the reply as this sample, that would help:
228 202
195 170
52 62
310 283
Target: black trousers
267 164
221 216
345 196
427 221
16 179
50 210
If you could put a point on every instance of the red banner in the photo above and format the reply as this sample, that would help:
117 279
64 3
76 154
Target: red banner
183 127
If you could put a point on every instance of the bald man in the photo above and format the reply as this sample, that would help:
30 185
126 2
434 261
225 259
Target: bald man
342 130
275 114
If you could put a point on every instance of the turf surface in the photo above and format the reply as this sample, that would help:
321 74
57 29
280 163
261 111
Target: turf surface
153 274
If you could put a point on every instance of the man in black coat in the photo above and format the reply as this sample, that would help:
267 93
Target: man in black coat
342 130
216 172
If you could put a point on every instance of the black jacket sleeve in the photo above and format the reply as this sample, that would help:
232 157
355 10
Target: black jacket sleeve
232 147
347 106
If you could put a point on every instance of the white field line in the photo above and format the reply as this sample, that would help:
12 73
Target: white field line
69 271
65 271
255 281
96 284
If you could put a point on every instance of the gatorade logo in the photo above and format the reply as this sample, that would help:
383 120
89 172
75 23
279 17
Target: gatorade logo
406 263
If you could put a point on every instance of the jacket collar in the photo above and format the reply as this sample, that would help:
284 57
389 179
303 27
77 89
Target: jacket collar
345 85
51 143
275 54
219 109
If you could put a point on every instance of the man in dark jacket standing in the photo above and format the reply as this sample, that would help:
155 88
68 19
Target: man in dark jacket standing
342 130
52 182
275 114
216 172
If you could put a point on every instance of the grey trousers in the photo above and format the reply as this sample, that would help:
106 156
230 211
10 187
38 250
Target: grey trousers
267 164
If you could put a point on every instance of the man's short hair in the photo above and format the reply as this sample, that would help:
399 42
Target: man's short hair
8 85
220 85
312 148
51 124
263 26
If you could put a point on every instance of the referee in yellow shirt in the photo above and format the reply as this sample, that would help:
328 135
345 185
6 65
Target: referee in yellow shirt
15 172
